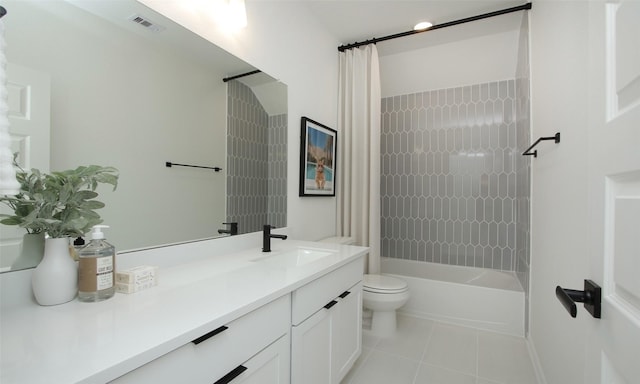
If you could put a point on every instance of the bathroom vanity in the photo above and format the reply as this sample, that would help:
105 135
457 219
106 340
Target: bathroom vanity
289 316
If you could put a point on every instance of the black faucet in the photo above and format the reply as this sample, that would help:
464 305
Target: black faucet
267 236
233 230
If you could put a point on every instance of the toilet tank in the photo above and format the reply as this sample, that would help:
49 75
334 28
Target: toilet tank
339 240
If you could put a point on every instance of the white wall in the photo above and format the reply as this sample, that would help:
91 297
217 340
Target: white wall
472 61
559 193
285 41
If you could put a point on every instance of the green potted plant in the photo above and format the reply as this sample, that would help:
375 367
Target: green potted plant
59 204
32 246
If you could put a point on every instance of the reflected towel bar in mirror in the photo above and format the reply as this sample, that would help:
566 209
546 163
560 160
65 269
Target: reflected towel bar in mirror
169 164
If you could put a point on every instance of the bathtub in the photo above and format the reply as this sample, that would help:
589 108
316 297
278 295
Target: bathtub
473 297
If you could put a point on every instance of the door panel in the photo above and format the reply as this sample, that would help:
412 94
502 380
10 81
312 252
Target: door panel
29 115
623 31
614 189
28 98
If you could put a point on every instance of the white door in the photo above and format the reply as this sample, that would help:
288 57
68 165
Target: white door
28 96
613 341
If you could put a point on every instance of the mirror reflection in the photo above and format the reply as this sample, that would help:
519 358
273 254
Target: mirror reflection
113 83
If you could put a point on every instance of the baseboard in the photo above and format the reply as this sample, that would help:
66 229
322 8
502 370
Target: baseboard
537 367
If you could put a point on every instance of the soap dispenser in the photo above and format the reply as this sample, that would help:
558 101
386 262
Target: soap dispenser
96 270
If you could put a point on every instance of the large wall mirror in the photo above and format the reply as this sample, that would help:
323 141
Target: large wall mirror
114 83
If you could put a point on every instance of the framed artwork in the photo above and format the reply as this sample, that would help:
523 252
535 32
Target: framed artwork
317 159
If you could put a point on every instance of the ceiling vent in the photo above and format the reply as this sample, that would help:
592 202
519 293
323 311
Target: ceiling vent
146 23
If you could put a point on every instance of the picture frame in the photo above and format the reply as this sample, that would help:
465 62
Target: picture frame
318 145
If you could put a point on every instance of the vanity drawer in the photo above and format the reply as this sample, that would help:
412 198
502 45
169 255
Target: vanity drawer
305 301
212 356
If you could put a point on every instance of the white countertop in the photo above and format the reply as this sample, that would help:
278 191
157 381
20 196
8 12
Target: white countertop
98 342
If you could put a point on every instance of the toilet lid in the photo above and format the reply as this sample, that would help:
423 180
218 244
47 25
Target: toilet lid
383 284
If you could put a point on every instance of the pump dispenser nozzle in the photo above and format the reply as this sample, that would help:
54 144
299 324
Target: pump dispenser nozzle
96 231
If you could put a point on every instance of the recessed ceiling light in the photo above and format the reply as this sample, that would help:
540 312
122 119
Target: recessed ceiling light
421 26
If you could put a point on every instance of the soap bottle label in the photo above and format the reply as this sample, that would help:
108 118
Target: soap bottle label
95 273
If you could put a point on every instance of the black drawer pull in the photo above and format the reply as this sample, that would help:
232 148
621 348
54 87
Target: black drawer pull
331 304
209 335
344 294
226 379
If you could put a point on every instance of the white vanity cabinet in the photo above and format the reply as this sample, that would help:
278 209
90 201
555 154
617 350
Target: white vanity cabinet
218 317
251 349
326 336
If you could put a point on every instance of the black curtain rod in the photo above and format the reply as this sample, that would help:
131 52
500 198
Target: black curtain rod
526 6
241 75
3 11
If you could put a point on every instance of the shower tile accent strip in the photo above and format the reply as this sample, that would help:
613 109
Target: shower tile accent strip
449 178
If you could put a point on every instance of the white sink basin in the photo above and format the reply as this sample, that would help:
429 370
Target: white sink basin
295 258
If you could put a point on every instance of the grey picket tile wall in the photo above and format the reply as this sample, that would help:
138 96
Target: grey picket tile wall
449 176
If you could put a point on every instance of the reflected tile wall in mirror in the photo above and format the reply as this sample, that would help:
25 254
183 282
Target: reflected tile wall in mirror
277 203
257 162
247 159
448 176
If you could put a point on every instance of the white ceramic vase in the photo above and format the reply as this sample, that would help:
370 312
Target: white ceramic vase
31 253
55 279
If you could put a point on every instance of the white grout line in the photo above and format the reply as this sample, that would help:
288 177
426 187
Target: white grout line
477 356
424 351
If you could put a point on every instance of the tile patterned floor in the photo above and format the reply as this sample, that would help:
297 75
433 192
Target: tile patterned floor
428 352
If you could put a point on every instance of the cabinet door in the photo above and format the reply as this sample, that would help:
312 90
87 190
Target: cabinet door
311 350
346 327
270 366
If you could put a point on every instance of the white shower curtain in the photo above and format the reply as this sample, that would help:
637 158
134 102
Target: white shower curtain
358 187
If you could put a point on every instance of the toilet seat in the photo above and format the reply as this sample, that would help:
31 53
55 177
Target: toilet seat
383 284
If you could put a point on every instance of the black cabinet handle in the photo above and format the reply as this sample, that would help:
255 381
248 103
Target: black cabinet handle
209 335
331 304
226 379
344 294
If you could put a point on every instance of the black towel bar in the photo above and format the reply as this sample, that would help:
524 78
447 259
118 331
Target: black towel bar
556 138
169 164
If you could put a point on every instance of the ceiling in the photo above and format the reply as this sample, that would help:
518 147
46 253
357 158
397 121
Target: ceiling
357 20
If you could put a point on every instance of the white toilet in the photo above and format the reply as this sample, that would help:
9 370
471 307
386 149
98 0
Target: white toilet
381 294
